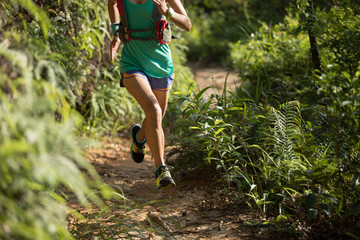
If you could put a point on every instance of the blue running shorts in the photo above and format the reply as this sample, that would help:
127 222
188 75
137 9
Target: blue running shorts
159 84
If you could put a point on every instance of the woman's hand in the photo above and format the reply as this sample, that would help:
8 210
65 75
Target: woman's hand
161 4
115 43
179 17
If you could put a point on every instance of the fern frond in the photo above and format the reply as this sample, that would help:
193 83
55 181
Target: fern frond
281 132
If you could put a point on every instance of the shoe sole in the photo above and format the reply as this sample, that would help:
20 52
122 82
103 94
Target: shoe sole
132 155
167 186
131 129
133 140
170 184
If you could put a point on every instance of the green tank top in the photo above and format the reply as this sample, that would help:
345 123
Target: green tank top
151 57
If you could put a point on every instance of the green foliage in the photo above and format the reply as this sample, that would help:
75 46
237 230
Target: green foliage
341 35
38 153
207 132
40 84
335 26
218 24
209 38
272 58
36 14
269 153
289 139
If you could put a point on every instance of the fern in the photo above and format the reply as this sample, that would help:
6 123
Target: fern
285 129
280 139
38 14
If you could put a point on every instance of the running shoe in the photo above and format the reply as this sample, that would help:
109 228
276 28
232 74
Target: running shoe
163 177
137 150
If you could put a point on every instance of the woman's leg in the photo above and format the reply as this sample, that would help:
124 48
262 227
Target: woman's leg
162 98
154 105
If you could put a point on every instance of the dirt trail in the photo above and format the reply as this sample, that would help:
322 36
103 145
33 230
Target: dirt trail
215 77
194 209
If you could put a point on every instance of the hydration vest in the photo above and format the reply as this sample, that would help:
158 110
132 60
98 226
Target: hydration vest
162 27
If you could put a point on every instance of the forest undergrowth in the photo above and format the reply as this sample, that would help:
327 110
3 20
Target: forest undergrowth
285 144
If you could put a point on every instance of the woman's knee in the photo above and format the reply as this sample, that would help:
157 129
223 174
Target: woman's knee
154 113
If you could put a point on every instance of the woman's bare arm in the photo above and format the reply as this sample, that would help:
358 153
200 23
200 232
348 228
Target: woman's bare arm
180 17
114 18
113 11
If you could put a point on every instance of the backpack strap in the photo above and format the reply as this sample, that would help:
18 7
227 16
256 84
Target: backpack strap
157 16
124 31
123 18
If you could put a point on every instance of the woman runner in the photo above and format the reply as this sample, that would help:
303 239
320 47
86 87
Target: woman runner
147 73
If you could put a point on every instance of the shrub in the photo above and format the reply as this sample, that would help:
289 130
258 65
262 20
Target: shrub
289 139
39 150
38 153
274 62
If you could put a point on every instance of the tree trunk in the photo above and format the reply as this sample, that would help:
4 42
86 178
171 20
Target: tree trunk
315 54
